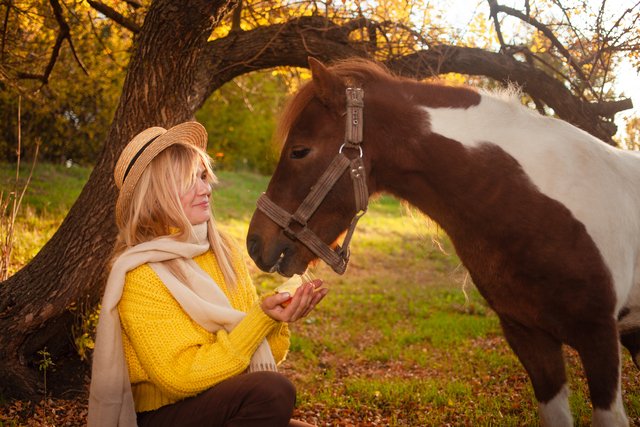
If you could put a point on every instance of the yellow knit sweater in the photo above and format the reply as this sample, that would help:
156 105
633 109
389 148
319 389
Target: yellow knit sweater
169 356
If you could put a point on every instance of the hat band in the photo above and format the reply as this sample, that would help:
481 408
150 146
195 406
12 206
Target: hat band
138 154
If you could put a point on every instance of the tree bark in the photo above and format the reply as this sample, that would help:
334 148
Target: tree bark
172 72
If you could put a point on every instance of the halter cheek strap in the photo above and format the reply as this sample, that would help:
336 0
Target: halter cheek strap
338 258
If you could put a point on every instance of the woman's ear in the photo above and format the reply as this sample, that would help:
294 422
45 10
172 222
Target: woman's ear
328 87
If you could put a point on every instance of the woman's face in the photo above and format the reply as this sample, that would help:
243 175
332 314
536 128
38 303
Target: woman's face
195 201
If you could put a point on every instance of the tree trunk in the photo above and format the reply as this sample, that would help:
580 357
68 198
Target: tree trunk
71 267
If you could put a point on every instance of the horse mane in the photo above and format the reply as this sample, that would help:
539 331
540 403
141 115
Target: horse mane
352 71
511 93
360 72
511 98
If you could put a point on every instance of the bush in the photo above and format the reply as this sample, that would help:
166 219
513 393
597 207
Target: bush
240 118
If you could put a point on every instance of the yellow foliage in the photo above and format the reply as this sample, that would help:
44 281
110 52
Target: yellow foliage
538 43
454 79
632 130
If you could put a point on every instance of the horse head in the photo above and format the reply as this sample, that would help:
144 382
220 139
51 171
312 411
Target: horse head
313 129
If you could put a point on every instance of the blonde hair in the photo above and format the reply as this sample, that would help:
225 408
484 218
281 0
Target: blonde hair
155 209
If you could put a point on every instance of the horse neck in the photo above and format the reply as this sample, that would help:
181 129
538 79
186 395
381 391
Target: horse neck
407 159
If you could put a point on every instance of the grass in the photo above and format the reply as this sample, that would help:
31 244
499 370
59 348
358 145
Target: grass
51 192
402 339
53 188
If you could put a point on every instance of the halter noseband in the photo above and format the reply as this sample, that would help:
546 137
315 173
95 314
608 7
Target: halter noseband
338 258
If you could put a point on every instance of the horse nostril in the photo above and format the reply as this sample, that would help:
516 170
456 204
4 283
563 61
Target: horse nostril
253 246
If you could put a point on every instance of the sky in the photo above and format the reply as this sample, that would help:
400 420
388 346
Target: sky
630 85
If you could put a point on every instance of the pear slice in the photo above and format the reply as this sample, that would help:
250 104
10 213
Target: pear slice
290 286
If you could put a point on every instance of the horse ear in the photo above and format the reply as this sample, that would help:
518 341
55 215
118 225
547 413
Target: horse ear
326 85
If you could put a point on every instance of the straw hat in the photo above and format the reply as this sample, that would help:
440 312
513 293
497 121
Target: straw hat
143 148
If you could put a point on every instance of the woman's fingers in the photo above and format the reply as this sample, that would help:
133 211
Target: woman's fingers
317 283
301 304
314 297
318 295
305 298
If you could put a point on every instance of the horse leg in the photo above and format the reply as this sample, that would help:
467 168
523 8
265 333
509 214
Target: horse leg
541 356
599 351
631 340
629 323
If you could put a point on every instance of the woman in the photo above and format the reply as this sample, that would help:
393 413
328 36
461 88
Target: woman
183 339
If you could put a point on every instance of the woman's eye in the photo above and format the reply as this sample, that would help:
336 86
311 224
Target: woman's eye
299 153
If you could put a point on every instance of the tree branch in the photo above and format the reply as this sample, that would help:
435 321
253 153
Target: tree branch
611 108
133 3
493 11
495 8
237 16
287 44
115 16
4 30
317 36
66 32
63 34
593 118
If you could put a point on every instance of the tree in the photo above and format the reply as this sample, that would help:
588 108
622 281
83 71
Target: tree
632 141
52 54
186 49
240 119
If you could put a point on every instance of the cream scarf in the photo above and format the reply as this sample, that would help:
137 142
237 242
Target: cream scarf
110 398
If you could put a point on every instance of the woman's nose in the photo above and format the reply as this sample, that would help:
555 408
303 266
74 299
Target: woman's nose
204 187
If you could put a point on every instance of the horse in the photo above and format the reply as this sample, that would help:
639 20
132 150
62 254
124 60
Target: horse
544 216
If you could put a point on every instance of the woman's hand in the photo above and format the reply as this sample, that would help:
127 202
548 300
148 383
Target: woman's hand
304 300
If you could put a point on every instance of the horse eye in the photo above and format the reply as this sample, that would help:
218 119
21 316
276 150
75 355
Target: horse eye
299 153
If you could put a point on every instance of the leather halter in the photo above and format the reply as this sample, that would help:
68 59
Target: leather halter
338 258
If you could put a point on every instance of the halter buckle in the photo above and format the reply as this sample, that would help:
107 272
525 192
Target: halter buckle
350 145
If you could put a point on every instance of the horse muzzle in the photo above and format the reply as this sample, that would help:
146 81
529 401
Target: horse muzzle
277 255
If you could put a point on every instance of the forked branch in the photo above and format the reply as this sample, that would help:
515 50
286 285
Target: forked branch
64 33
495 8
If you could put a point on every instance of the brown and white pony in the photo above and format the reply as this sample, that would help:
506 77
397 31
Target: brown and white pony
545 217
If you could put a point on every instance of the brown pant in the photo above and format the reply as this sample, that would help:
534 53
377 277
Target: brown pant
264 399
